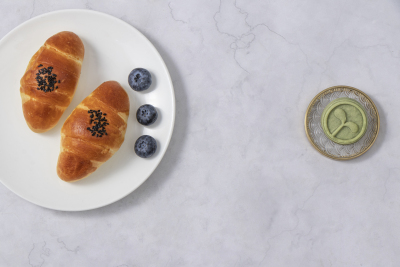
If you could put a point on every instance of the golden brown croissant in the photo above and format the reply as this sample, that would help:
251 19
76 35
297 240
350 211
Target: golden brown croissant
50 80
93 132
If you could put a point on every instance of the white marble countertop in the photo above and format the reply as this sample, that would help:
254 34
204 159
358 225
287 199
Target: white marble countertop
240 184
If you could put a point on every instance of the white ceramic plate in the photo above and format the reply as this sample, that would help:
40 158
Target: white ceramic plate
112 49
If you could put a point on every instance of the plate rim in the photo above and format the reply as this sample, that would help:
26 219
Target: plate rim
172 124
307 128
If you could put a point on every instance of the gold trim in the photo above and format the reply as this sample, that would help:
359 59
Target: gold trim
329 90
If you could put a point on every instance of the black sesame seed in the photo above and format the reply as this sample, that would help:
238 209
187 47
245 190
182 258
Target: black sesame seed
99 122
46 83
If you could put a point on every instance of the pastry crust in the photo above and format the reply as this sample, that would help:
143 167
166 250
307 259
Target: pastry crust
64 53
81 151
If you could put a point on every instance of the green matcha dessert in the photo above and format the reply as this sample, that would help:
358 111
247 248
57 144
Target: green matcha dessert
344 121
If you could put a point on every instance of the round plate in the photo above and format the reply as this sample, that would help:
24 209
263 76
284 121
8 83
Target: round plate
112 49
315 131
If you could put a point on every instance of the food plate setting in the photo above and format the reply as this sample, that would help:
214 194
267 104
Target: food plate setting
113 49
342 122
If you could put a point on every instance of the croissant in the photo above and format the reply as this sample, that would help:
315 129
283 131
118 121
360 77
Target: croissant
50 80
93 132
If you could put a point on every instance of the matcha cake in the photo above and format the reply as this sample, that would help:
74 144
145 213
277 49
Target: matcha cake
344 121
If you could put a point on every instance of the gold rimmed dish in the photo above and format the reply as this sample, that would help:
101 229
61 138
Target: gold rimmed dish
314 128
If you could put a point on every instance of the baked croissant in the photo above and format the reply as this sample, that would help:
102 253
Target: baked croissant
93 132
50 80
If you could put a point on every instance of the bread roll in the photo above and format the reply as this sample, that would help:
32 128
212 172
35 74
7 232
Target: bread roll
50 80
93 132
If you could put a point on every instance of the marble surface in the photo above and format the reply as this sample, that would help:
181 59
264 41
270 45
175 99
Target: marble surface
240 184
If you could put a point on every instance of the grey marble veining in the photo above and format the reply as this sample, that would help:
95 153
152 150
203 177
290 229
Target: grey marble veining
240 185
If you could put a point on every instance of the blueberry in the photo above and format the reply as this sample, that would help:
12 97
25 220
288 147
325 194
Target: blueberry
146 115
139 79
145 146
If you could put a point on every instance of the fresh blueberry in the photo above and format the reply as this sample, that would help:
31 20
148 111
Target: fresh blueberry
145 146
146 115
139 79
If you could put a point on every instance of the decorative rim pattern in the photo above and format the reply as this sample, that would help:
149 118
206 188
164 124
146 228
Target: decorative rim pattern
321 142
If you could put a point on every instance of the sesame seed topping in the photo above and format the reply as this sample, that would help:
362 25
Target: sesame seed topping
99 122
46 79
